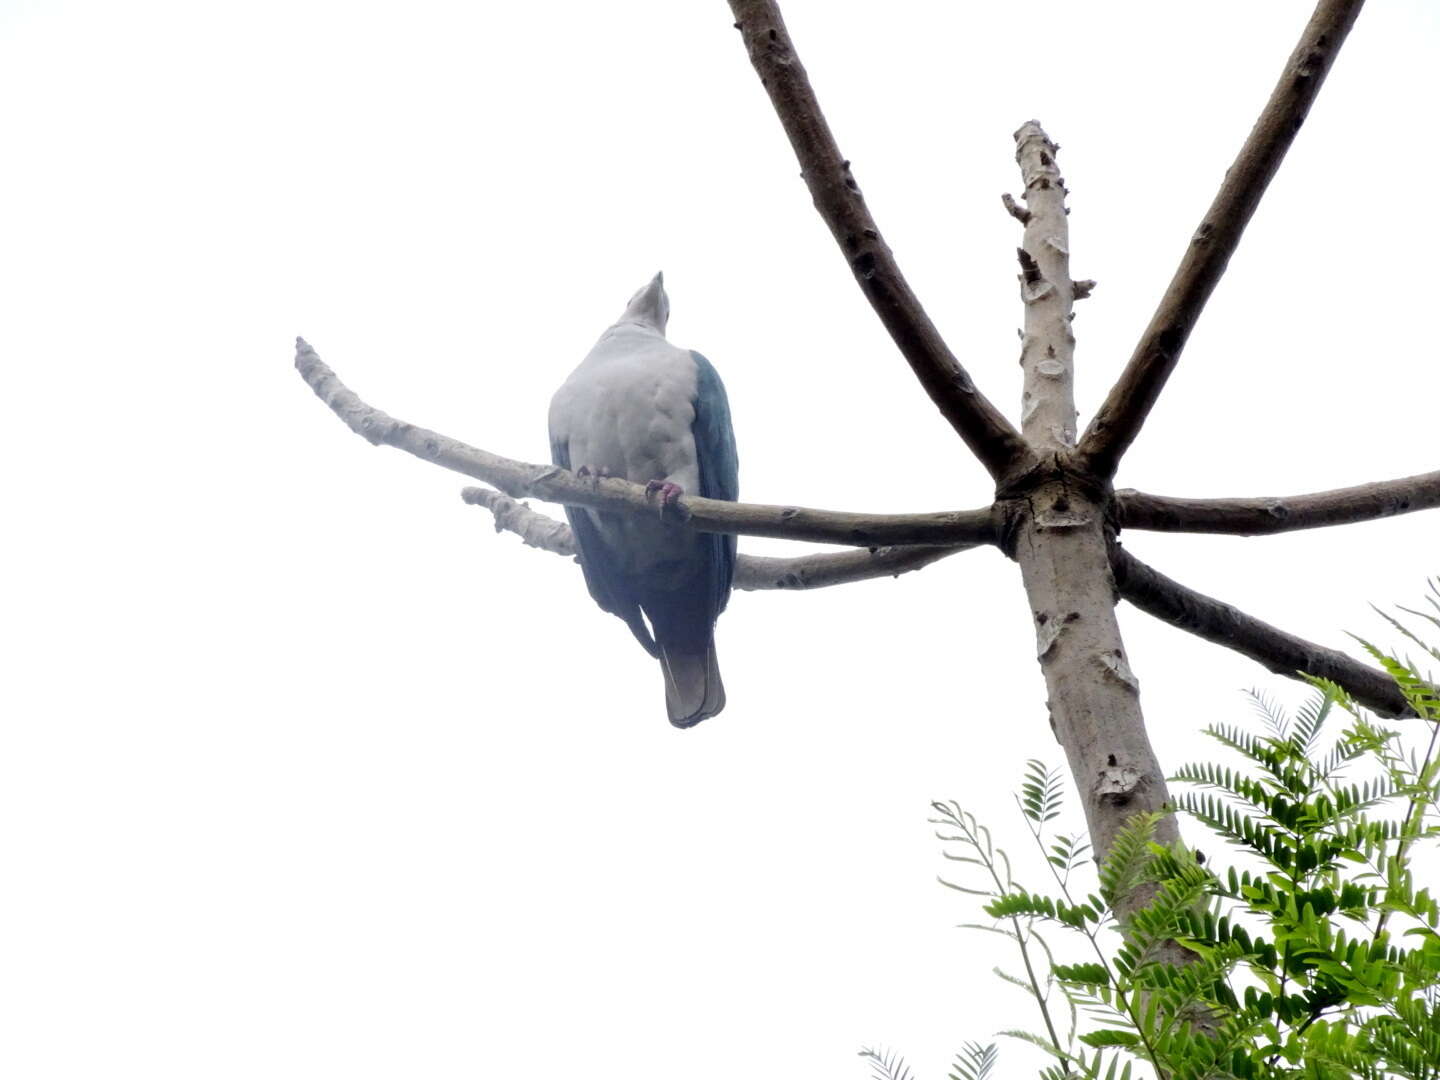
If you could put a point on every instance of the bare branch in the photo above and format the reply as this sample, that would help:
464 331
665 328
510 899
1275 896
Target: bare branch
536 529
520 479
752 572
1282 653
1257 517
1119 419
836 568
1014 209
837 197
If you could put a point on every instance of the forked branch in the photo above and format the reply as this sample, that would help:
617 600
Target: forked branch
1120 418
1139 583
752 572
1256 517
928 537
1285 654
837 197
520 479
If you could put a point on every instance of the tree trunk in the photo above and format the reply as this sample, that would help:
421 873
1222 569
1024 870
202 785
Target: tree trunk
1094 698
1056 530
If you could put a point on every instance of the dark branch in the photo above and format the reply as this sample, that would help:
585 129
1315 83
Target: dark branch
1255 517
837 197
1282 653
520 479
752 572
1124 411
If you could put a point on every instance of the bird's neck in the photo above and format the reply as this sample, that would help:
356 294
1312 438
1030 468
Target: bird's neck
636 325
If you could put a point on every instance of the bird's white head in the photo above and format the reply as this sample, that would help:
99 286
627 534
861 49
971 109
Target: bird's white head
650 306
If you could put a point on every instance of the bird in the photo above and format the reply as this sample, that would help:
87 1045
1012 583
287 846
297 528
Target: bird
644 410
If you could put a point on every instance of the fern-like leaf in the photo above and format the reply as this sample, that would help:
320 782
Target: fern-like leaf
1129 854
1042 792
1270 713
886 1066
1309 720
974 1062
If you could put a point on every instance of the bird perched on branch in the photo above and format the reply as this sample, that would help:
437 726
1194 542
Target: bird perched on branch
644 410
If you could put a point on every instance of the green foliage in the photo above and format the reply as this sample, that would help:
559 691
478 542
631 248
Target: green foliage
885 1066
1317 955
974 1062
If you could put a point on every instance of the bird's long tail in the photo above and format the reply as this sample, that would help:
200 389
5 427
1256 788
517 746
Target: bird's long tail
693 690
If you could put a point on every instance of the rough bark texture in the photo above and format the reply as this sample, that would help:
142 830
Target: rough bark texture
1059 539
1285 654
837 197
1094 698
1257 517
1125 408
1047 353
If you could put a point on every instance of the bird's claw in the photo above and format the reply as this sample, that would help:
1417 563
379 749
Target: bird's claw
585 472
667 491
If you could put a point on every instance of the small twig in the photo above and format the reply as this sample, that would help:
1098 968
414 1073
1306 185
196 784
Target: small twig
536 529
1218 622
1260 516
837 197
752 572
520 479
1015 210
1119 419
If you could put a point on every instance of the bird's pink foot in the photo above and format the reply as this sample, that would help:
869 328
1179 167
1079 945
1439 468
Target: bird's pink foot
667 491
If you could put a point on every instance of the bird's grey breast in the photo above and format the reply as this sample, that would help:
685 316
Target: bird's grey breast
629 409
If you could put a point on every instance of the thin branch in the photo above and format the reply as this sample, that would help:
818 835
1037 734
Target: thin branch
1258 517
752 572
1282 653
837 198
520 479
805 572
1119 419
536 529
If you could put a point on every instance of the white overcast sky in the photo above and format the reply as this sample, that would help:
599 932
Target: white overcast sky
308 773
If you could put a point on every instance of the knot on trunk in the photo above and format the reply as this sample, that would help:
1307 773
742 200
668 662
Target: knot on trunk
1054 493
1118 785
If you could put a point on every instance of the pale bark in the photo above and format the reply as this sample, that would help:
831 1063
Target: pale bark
990 436
1125 408
1060 544
1047 352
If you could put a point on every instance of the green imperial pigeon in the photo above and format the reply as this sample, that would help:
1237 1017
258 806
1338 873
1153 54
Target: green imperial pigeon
641 409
